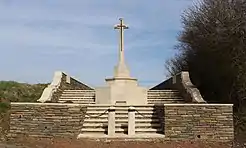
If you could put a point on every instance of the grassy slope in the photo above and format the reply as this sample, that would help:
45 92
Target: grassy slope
20 92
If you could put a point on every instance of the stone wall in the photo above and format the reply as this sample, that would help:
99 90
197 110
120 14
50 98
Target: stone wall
4 125
61 81
183 84
4 118
179 121
199 121
46 120
68 82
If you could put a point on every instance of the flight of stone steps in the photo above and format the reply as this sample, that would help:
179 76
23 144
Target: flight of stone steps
88 96
78 96
164 97
146 120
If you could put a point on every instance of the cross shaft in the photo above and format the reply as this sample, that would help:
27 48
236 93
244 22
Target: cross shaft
121 28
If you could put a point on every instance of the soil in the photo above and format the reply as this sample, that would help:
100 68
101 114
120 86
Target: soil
88 143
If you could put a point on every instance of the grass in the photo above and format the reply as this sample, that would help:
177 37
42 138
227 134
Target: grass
20 92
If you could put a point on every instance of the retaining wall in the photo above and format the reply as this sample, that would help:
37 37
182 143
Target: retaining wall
179 121
46 120
199 121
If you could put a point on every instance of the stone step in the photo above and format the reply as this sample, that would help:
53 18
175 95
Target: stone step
158 91
124 120
146 130
121 108
102 115
138 125
88 100
118 111
76 97
93 130
94 125
162 93
123 116
79 91
146 121
164 90
165 101
77 102
142 130
161 103
93 112
164 97
153 100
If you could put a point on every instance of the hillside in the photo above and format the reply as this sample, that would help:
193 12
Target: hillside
20 92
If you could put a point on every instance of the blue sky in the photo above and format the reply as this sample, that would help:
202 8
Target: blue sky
38 37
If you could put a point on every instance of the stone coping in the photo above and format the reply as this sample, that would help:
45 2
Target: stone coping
101 105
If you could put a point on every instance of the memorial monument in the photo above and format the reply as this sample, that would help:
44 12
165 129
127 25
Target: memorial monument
122 88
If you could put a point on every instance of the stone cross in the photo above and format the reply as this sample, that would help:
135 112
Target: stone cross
121 27
121 69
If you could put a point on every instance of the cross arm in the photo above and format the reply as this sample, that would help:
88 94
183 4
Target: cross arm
120 26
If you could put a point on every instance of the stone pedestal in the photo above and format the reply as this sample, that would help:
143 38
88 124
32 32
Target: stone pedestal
123 91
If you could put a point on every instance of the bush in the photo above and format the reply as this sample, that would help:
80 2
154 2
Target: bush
21 92
4 107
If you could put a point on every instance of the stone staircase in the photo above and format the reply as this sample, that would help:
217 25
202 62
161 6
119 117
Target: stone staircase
164 97
88 97
146 120
78 96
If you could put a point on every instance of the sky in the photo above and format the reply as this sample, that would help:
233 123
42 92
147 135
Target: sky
39 37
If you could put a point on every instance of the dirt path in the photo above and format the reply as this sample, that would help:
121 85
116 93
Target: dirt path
66 143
